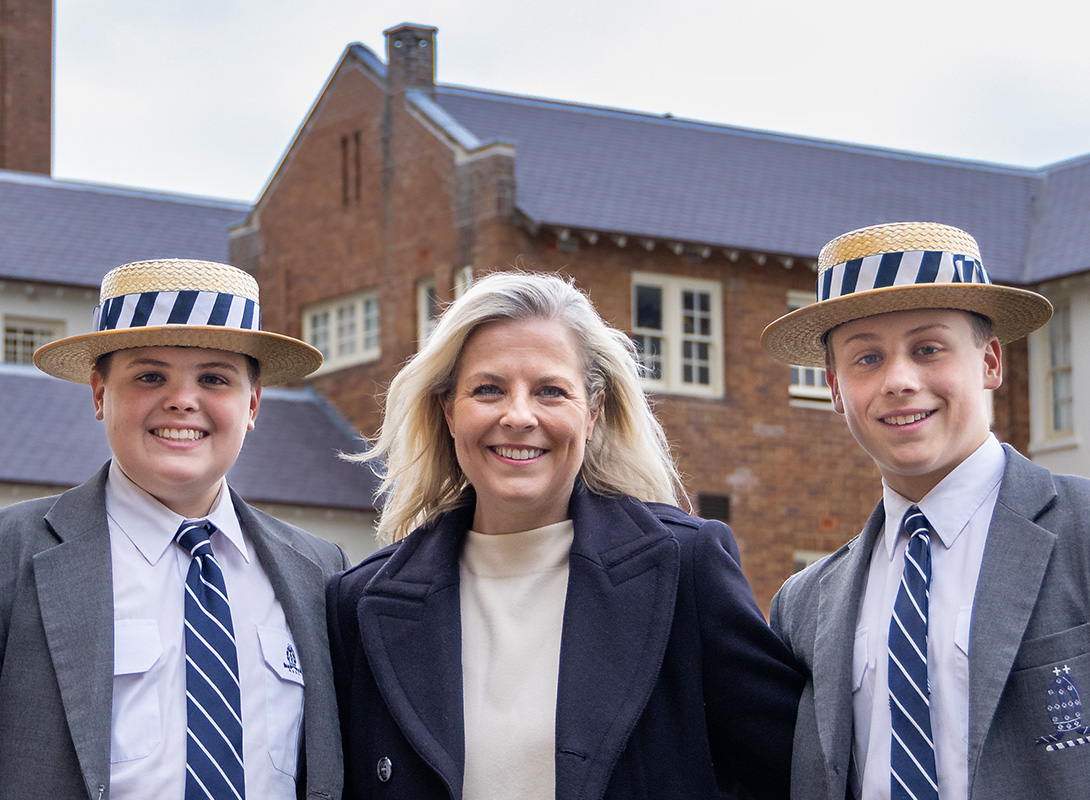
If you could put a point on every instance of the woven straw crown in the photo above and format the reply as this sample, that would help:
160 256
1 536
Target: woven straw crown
900 266
179 303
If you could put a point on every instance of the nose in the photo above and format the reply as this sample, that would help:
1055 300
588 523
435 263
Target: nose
183 396
519 412
900 375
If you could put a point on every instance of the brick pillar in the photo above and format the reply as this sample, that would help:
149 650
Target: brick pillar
26 85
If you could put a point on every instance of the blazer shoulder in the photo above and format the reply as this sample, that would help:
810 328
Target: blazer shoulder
318 549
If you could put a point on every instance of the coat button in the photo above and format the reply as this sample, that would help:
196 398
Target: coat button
384 768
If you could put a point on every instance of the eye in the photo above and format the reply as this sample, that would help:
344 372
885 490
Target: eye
149 377
928 350
867 360
486 390
214 380
553 391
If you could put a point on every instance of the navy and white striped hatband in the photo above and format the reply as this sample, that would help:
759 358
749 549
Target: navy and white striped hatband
900 266
182 303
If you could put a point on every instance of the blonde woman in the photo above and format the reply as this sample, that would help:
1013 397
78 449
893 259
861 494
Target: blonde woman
548 623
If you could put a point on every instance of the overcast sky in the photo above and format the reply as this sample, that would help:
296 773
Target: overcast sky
203 96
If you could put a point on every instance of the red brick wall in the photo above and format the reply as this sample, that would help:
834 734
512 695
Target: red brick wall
794 476
26 85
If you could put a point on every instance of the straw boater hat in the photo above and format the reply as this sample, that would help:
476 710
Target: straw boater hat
897 267
181 303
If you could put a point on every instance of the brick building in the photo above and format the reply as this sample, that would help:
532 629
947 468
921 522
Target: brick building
26 85
396 191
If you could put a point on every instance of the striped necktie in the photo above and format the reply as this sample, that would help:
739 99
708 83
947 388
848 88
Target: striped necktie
213 759
912 748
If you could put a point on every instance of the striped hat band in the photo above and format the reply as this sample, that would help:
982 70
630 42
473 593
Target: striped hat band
177 308
900 266
913 268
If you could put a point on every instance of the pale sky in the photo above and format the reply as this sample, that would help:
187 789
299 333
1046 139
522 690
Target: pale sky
204 96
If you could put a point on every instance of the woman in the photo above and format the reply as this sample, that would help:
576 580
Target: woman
549 623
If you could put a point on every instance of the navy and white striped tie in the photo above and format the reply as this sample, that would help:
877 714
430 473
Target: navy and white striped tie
912 749
213 759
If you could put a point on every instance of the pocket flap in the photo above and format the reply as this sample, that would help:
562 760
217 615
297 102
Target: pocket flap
278 650
136 645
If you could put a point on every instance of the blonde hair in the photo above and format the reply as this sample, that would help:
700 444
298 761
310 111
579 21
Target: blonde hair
414 456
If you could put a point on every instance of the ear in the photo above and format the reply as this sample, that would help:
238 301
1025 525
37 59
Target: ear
255 403
834 389
993 364
448 412
98 389
595 410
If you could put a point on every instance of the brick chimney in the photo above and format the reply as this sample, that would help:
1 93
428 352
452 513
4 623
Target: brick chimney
26 85
410 57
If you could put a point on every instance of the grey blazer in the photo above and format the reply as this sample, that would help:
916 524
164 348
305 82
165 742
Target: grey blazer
1029 646
57 646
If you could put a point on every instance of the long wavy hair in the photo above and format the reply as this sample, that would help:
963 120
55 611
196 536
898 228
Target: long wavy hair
414 455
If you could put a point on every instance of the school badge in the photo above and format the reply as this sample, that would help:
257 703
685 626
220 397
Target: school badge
1065 710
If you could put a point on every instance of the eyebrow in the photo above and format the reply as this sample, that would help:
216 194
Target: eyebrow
869 336
154 362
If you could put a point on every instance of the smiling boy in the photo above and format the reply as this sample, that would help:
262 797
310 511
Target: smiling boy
947 642
159 637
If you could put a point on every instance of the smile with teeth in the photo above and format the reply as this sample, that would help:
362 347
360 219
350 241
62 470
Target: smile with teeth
178 434
907 419
518 453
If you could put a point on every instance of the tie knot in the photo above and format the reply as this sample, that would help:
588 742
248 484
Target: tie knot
193 536
916 524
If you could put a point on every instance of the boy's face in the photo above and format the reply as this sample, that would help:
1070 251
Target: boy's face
911 386
175 419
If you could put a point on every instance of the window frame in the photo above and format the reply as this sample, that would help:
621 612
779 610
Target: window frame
817 395
44 331
674 338
351 332
1061 314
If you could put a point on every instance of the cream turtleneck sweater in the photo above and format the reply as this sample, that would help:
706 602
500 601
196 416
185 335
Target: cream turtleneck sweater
513 588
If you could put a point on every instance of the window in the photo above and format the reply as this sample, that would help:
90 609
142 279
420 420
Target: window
24 335
808 384
346 330
676 326
463 279
1061 396
804 558
427 310
714 506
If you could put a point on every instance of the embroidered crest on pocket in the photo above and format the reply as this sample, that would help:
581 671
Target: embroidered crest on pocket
1064 707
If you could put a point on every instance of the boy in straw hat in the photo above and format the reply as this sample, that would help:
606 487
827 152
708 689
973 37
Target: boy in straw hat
159 637
947 659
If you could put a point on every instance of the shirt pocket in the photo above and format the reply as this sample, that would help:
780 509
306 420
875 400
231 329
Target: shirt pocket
860 658
136 727
283 697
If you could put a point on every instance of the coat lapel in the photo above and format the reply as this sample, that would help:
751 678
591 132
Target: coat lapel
411 616
1015 559
622 585
299 585
75 595
841 593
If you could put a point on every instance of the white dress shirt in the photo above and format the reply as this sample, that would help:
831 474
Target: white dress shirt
148 734
513 588
960 510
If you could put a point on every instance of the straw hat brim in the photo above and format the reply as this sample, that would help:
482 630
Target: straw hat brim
798 337
282 358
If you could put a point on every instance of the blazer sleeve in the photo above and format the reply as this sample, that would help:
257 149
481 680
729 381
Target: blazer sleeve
752 684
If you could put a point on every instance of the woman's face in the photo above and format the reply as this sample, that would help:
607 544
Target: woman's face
520 418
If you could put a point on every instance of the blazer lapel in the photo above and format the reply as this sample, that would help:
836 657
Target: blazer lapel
622 585
410 628
75 595
841 593
299 584
1015 559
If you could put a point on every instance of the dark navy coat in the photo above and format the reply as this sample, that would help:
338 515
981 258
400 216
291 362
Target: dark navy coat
671 684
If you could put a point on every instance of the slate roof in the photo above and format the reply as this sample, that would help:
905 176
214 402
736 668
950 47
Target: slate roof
72 233
290 457
607 170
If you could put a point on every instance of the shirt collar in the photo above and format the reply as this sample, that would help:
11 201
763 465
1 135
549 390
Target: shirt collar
953 502
151 526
